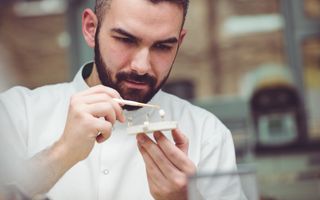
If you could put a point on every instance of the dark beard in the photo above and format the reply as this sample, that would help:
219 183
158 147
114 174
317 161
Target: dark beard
118 84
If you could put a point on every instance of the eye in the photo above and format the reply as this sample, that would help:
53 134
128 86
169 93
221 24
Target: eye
125 40
162 47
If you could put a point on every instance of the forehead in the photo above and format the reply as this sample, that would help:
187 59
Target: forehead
144 18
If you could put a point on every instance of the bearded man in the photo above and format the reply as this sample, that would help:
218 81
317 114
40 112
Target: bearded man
73 134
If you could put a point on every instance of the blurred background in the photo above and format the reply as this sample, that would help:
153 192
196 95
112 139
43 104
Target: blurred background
253 63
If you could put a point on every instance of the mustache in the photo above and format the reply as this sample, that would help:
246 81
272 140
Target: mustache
132 76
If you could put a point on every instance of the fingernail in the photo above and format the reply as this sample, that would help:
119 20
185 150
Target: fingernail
141 138
157 135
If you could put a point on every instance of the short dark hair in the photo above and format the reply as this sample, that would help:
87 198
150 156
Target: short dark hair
102 5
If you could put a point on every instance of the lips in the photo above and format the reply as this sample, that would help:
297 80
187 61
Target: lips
136 84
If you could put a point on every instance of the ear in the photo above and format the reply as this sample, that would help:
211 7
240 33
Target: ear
89 26
182 35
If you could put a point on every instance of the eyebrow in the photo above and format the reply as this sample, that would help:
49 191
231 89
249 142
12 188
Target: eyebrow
124 33
120 31
172 40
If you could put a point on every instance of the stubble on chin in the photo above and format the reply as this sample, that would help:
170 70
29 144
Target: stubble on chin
133 94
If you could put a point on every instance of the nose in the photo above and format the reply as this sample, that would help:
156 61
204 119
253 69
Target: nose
141 61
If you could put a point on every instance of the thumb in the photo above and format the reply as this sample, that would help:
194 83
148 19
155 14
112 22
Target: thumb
180 140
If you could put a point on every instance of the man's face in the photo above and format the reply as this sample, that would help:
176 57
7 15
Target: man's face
135 46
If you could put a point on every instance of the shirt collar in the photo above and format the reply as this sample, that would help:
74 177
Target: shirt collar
79 82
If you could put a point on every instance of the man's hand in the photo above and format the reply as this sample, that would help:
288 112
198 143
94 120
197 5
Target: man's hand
167 165
90 112
91 116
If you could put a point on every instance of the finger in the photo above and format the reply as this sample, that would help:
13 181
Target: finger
181 140
179 158
96 98
100 89
119 111
154 184
162 184
156 154
105 110
154 174
105 129
110 110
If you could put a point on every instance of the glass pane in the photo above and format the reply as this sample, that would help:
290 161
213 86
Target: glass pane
240 185
288 177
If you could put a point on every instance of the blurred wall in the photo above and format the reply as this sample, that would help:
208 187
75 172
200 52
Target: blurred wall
217 59
220 48
37 46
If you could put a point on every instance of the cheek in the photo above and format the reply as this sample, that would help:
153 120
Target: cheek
162 65
115 56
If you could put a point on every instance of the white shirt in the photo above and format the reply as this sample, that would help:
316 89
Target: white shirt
34 119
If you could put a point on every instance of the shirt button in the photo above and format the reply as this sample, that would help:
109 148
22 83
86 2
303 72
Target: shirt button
105 172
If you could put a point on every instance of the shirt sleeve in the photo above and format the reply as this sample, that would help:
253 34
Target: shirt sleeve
13 133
